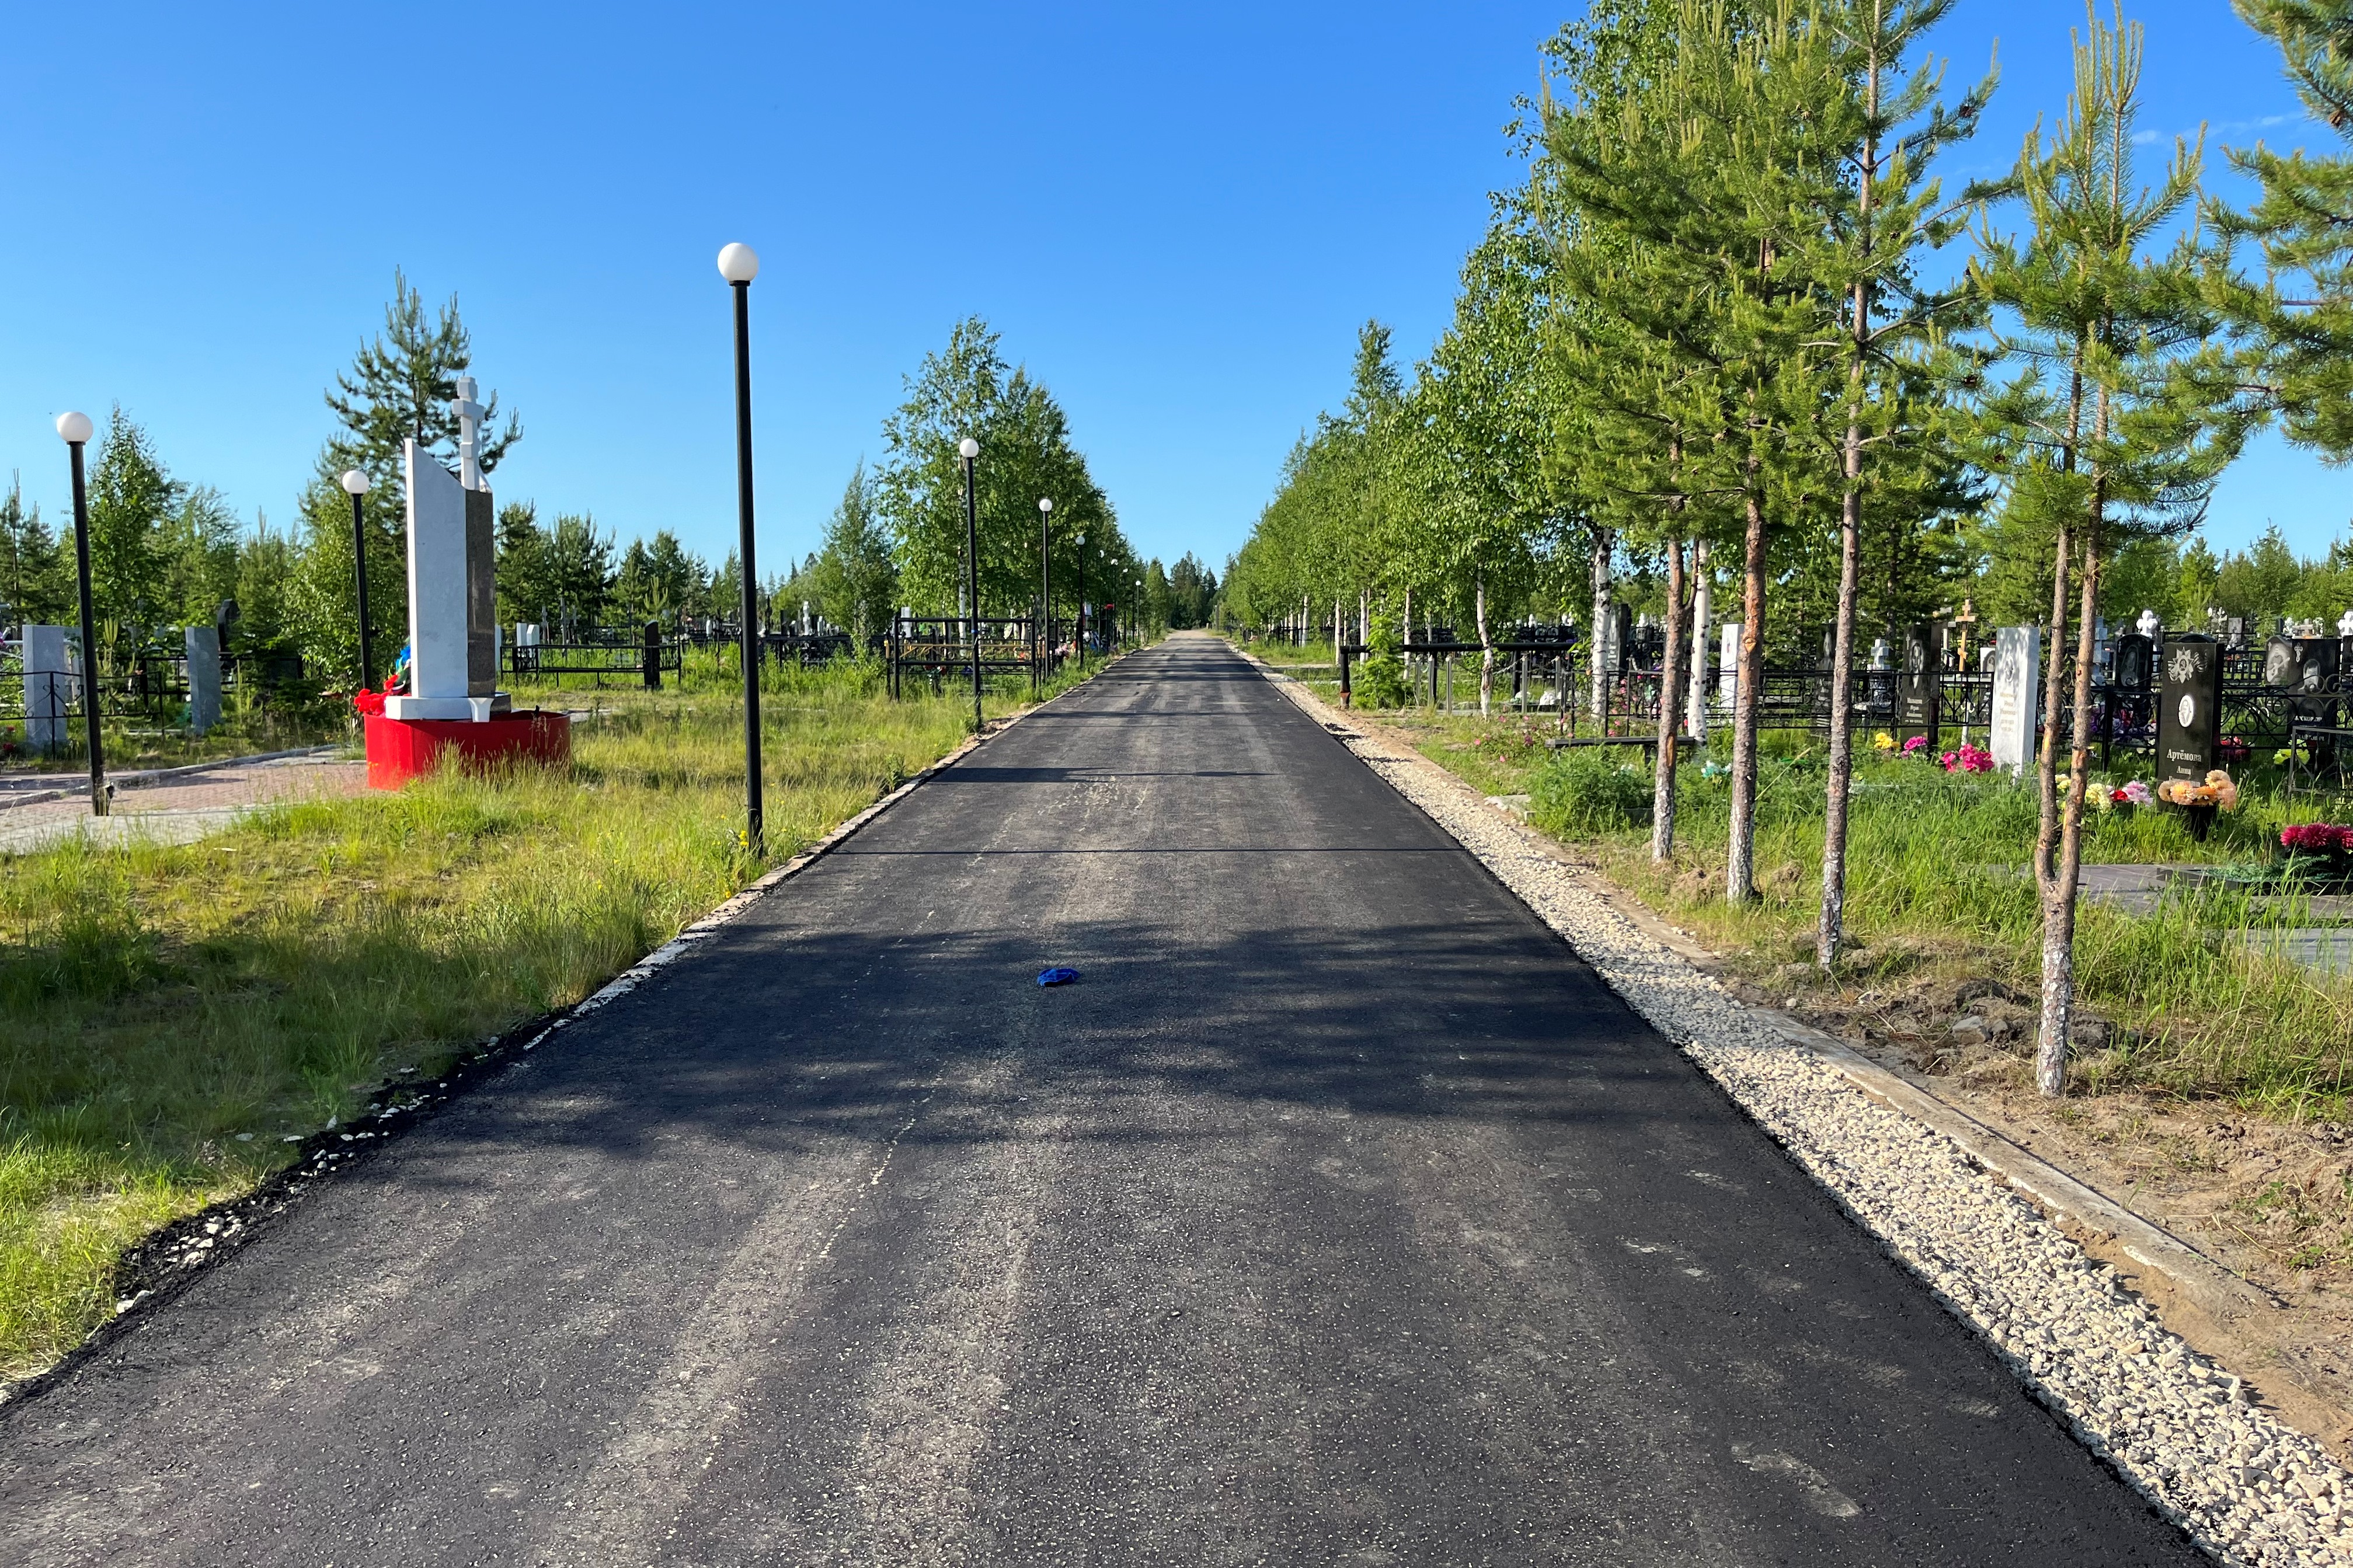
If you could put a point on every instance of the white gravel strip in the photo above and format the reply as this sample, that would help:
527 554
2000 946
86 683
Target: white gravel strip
2179 1428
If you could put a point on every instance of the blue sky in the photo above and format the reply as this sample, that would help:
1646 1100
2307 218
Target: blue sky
1175 214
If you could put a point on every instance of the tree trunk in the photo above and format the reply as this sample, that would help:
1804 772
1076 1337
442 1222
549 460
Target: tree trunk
1740 861
1486 645
1604 542
1830 934
1662 780
2059 903
1701 666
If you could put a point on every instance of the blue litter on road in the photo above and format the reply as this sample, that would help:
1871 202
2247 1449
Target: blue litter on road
1056 976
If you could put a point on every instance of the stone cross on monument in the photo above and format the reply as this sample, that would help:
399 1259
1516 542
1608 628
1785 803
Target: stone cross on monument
468 414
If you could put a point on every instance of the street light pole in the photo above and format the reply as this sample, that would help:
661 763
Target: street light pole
1045 586
76 430
1081 638
969 450
739 265
355 484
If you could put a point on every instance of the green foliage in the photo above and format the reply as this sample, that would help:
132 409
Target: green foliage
661 580
131 503
855 578
1584 791
400 387
1026 455
36 577
2304 224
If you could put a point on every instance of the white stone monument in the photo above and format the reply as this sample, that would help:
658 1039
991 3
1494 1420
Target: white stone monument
203 677
453 634
52 688
1728 662
2017 689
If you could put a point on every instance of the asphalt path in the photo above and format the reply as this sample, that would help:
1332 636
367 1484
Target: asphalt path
1336 1216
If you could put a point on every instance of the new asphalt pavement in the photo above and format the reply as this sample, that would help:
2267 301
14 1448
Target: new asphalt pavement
1337 1215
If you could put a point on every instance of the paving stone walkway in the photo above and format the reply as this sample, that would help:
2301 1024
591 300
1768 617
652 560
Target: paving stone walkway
179 808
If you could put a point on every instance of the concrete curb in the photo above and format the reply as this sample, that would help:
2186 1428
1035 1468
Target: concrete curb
2206 1283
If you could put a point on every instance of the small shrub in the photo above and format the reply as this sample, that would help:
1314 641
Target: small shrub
1379 682
1583 790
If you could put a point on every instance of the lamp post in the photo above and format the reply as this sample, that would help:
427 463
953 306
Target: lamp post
1079 641
968 451
356 485
739 264
1046 585
76 430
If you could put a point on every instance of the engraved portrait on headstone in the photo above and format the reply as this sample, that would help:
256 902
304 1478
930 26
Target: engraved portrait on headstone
1919 684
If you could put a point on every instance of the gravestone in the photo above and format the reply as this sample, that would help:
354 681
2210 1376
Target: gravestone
51 688
2190 718
1728 662
2305 666
1919 684
2134 668
203 677
2017 696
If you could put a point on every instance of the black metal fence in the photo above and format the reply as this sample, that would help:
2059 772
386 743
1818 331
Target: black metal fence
1546 671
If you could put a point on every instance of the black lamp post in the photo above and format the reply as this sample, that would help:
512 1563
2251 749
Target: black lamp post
969 450
739 265
356 485
1081 639
76 429
1045 588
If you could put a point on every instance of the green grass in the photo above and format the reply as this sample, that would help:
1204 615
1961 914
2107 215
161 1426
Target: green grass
173 1013
1938 891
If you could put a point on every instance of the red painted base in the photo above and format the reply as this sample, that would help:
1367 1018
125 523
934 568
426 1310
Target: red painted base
399 750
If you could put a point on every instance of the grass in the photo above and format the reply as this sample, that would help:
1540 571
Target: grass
1940 904
172 1014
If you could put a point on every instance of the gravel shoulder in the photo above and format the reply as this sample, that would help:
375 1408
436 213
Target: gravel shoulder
2104 1347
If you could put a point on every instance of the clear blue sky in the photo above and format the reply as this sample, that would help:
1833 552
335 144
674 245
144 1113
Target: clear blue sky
1175 214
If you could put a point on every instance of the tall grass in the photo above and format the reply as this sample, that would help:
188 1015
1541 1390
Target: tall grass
1939 891
169 1014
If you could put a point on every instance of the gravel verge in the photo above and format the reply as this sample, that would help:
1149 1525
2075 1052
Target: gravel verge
2176 1427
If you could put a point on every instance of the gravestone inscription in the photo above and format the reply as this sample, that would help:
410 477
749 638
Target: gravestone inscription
2017 694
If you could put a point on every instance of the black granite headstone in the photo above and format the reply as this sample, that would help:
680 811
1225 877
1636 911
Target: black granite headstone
2135 662
2190 717
1919 683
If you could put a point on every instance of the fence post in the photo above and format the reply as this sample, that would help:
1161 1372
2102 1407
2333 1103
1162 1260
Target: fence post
653 655
1346 700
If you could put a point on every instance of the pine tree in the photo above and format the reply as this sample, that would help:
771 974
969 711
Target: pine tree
400 387
2304 223
2111 427
1883 216
1716 163
855 582
36 582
